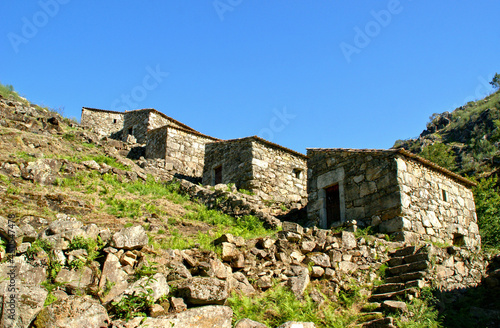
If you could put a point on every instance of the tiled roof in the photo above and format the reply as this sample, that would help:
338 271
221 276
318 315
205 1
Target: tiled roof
102 110
268 143
407 154
143 109
185 130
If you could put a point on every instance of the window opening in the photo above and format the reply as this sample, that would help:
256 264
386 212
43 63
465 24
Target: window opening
218 175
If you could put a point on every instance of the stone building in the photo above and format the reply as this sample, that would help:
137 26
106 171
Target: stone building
183 150
401 193
121 125
269 170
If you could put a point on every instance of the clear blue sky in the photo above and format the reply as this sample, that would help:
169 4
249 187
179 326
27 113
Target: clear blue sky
353 74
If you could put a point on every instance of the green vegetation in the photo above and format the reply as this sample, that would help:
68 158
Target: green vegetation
440 154
487 198
134 305
278 305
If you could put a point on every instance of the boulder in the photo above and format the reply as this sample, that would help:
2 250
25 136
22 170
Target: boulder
43 171
75 281
130 238
299 281
203 291
74 312
113 279
348 240
21 306
201 317
247 323
319 259
157 283
12 233
238 282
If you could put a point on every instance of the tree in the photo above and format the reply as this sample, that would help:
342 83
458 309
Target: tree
440 154
496 81
487 198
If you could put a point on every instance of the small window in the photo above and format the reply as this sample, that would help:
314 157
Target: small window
297 173
444 195
130 130
218 175
114 121
458 240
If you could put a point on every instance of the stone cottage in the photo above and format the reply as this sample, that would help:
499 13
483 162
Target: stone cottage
269 170
400 193
121 125
183 150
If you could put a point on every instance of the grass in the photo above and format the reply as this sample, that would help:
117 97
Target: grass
278 305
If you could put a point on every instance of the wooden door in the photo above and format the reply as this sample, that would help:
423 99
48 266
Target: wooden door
332 205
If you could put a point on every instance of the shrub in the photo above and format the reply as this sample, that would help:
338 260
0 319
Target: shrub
440 154
487 198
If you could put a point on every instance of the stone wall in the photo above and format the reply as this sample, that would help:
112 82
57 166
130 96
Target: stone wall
105 123
235 158
278 174
436 206
260 167
400 194
182 150
368 185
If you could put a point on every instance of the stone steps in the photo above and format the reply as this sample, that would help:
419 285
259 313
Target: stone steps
393 295
405 271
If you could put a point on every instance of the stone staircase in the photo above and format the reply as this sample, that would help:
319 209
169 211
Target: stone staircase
404 276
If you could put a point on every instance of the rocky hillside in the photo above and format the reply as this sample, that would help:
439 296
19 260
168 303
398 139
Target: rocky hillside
466 141
92 239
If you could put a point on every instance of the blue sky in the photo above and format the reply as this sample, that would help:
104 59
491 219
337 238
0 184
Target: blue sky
350 74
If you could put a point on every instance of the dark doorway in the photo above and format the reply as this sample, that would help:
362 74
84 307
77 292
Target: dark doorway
218 175
332 205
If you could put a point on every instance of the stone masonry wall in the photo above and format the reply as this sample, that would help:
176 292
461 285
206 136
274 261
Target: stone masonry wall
104 123
156 144
435 206
275 174
367 182
138 121
186 151
235 157
182 150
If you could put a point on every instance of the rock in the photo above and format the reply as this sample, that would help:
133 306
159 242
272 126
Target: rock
229 238
347 267
317 272
43 171
307 246
157 283
74 312
21 306
395 305
320 259
12 170
29 233
266 242
295 324
297 256
238 282
348 240
75 281
178 271
299 282
92 165
113 279
130 238
292 227
264 282
10 232
229 251
156 310
177 304
201 317
202 291
247 323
